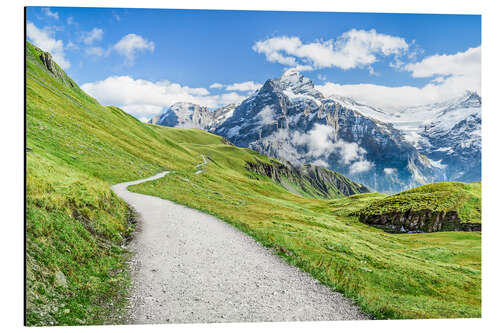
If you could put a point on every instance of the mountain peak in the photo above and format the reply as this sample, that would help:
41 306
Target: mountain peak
184 105
293 80
291 72
472 95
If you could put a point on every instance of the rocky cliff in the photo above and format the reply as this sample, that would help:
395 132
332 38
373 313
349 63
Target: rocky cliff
435 207
419 221
308 180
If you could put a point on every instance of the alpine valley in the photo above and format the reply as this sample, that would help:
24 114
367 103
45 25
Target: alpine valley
387 150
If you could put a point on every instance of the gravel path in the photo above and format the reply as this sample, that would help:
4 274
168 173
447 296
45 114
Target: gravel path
190 267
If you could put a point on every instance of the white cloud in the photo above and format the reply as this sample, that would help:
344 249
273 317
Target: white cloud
349 151
244 86
131 44
320 163
70 20
44 40
320 142
92 36
266 115
360 166
143 98
451 76
216 85
389 171
51 14
95 50
353 49
72 46
466 63
239 86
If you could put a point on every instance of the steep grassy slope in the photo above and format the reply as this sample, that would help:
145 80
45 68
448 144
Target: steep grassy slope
76 270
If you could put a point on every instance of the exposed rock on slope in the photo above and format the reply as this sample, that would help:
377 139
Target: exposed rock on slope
428 208
50 64
308 180
419 221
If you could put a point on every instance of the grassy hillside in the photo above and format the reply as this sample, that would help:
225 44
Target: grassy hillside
76 269
389 275
76 266
434 207
463 198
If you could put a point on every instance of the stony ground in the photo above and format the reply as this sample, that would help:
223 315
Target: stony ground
190 267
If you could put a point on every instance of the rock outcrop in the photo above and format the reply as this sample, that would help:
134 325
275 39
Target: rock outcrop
308 180
50 64
419 221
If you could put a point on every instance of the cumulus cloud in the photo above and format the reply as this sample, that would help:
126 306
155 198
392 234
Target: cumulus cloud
95 50
266 115
132 44
319 140
51 14
451 76
72 46
320 143
349 151
244 86
92 36
353 49
389 171
320 163
216 85
239 86
360 166
466 63
44 39
143 98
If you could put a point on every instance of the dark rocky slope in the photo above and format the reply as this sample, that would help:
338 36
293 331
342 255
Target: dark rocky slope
434 207
308 180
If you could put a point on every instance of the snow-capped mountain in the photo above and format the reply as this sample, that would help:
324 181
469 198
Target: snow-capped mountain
387 150
189 115
289 119
452 137
448 133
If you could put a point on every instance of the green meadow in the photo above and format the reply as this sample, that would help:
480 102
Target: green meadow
77 228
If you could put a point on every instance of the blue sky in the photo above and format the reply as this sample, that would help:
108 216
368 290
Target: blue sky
145 59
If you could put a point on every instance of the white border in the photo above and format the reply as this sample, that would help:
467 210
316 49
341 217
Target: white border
11 133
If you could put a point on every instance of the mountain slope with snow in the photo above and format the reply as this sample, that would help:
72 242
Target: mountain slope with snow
189 115
387 150
289 119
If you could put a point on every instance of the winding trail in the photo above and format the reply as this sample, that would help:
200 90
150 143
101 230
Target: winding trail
190 267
